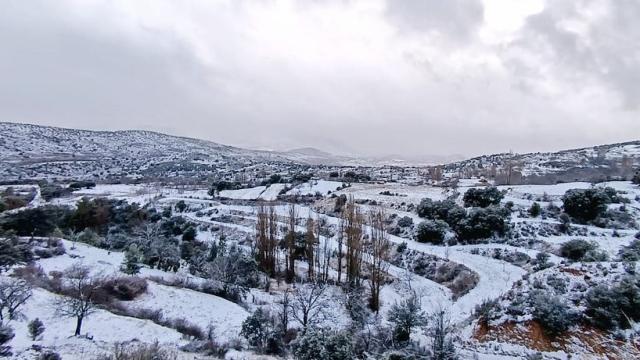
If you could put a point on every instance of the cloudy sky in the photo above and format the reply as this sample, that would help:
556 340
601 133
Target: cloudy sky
371 77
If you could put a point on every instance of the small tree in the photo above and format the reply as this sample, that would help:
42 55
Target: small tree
131 263
309 304
13 294
79 292
36 328
181 206
256 328
535 210
439 331
405 316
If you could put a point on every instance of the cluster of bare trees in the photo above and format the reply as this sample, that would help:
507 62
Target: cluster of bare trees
270 252
361 247
266 239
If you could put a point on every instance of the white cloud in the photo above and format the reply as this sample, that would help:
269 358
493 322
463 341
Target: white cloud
414 77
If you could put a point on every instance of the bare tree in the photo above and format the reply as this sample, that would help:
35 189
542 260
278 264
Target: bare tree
283 315
323 252
290 237
149 232
339 253
13 294
309 304
379 253
79 290
310 240
352 225
266 239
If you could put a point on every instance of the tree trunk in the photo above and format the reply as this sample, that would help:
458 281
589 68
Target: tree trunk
78 326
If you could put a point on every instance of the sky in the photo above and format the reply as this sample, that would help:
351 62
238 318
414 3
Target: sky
366 77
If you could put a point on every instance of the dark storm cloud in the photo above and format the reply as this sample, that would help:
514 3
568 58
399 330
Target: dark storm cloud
590 41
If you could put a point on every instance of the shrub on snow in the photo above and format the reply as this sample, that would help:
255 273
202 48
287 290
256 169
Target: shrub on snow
478 197
581 250
431 231
551 312
616 306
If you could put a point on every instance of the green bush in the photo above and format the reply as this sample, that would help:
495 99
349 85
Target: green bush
587 204
551 312
483 223
535 210
581 250
615 306
482 197
431 231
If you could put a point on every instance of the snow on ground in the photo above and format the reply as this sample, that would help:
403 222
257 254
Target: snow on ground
243 194
611 245
268 193
197 307
406 193
104 327
200 308
141 194
315 186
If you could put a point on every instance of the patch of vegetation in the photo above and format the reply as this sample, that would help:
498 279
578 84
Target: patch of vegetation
482 197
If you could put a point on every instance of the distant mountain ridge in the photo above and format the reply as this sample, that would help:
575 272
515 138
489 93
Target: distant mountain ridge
33 151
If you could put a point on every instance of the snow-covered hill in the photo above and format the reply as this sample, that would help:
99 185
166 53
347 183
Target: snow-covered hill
32 151
597 163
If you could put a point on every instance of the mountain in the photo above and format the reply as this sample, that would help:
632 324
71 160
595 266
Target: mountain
33 151
596 163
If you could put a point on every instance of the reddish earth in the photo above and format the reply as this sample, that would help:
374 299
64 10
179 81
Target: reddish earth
531 335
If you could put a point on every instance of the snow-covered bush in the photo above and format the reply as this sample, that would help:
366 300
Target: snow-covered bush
486 310
431 231
14 251
586 204
6 334
535 210
404 317
582 250
124 287
478 197
50 355
615 306
542 261
138 352
261 333
405 221
630 252
482 223
553 314
323 344
446 210
36 328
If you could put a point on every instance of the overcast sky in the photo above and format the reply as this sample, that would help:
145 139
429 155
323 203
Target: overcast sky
371 77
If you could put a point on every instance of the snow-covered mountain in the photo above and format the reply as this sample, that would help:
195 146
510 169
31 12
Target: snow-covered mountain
597 163
32 151
29 151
